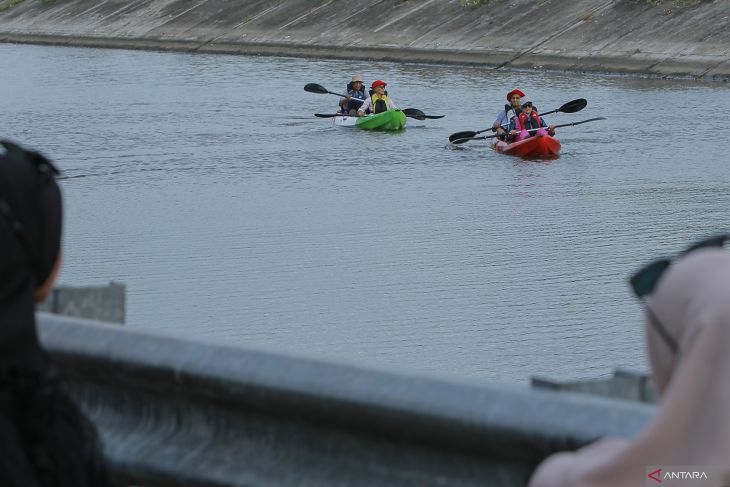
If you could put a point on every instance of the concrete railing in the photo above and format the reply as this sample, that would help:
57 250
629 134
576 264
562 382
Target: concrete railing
174 412
103 303
625 384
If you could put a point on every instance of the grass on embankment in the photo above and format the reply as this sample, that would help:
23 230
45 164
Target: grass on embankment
8 4
674 4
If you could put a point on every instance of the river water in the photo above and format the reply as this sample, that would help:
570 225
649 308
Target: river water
204 183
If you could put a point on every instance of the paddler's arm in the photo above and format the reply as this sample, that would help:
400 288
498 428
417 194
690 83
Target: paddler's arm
363 108
550 128
513 132
498 125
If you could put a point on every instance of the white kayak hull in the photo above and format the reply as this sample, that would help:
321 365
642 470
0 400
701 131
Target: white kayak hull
345 121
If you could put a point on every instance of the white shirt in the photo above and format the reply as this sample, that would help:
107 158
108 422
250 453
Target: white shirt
369 104
504 118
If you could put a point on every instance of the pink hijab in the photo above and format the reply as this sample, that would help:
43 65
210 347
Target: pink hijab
691 427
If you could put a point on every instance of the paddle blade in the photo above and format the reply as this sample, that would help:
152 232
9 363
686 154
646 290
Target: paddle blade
414 113
467 139
315 88
325 115
574 106
433 117
453 138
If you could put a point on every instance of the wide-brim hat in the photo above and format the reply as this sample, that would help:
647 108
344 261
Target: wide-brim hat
357 77
377 83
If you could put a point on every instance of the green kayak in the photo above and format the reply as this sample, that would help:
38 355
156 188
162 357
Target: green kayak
390 120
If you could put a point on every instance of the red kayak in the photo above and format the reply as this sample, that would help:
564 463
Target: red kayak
537 146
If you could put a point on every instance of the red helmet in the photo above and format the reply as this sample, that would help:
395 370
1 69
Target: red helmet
377 83
514 92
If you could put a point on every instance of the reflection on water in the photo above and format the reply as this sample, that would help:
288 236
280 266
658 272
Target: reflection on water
233 215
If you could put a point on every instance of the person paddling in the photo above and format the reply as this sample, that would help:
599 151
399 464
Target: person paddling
524 124
510 110
355 89
378 101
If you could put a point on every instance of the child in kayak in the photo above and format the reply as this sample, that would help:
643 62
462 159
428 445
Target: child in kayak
355 89
524 124
378 101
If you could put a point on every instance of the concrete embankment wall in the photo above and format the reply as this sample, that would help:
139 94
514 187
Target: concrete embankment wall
178 413
656 37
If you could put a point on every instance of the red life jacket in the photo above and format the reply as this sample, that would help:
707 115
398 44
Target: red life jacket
523 123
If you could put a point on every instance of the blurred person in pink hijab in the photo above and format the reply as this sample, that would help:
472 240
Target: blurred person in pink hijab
688 340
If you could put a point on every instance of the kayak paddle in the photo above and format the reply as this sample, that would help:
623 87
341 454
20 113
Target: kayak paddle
483 137
418 114
408 112
570 107
321 90
414 113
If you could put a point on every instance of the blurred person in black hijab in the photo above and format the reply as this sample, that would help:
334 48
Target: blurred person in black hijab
45 440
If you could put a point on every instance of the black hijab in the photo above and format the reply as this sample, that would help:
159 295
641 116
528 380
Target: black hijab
30 240
46 440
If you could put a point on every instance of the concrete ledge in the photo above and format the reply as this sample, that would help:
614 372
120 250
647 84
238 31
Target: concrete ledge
625 384
103 303
270 49
707 69
101 42
173 412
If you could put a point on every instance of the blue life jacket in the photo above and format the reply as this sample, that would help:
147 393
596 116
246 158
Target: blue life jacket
360 95
511 112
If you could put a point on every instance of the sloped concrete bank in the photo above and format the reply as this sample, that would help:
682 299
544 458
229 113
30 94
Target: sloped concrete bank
672 38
